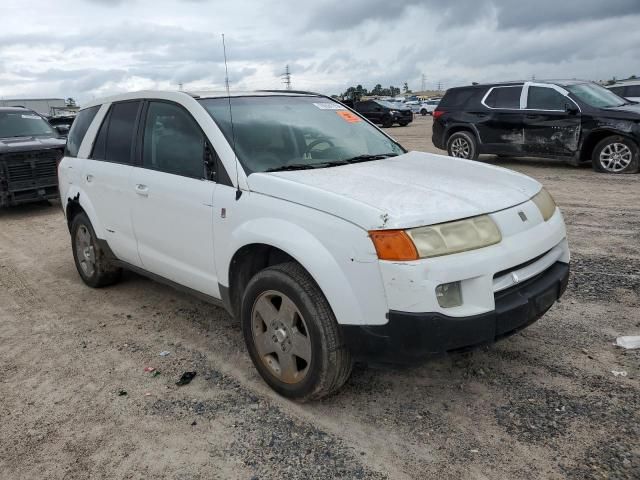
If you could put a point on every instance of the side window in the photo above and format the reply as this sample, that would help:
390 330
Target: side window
173 142
364 106
544 98
115 139
504 97
79 129
632 91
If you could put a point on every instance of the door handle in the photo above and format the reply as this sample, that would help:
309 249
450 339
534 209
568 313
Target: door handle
89 178
142 190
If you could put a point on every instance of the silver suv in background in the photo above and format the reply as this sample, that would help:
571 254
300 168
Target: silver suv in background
629 89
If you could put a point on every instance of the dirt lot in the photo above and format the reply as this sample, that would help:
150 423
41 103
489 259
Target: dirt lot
541 404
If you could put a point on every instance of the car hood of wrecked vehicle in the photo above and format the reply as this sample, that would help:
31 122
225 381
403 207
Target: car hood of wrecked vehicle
409 190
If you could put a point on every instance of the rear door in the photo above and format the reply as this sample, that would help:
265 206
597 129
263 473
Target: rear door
500 122
552 121
106 178
173 205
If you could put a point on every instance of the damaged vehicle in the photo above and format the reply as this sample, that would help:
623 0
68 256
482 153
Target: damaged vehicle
573 120
30 150
323 236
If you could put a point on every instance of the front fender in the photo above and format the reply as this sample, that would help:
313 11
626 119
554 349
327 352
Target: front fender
352 285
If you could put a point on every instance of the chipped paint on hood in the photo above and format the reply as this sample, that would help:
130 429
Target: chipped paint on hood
410 190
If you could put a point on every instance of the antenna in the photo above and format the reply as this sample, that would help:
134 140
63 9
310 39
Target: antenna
233 132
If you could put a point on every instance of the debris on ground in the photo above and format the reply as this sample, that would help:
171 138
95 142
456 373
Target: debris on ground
165 353
122 393
628 342
619 373
155 373
186 378
149 369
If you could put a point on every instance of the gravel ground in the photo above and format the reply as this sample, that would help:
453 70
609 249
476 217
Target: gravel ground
541 404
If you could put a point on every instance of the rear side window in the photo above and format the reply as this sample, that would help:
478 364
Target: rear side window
504 97
457 97
173 141
543 98
79 130
632 91
116 136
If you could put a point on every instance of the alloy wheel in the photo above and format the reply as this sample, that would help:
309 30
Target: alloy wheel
615 157
460 148
281 337
85 252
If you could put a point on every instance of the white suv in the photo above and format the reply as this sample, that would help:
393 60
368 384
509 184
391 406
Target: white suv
321 234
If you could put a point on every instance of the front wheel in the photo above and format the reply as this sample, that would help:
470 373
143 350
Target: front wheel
462 145
404 124
292 335
616 154
423 112
387 122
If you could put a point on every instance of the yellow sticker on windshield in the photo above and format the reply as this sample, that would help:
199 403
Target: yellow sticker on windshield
348 116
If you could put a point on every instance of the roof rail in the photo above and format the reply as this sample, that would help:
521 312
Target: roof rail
302 92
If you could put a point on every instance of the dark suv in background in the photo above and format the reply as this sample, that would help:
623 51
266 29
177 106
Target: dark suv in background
573 120
30 150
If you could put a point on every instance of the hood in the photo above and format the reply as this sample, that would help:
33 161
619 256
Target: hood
411 190
27 144
633 108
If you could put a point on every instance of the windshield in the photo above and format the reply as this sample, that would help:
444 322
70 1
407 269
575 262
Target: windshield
23 124
390 104
281 132
596 96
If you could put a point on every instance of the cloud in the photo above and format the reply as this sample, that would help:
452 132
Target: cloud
108 46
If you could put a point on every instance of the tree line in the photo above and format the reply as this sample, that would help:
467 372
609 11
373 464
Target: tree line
357 92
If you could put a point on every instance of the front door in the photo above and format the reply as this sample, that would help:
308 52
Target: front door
552 121
173 209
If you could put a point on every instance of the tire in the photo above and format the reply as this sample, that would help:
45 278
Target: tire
270 334
616 154
387 122
404 124
91 262
462 145
423 112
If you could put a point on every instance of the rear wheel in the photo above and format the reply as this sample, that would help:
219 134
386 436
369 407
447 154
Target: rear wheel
404 124
423 112
91 262
462 145
387 122
292 335
616 154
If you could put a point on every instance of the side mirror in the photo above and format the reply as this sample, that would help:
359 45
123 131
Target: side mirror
62 129
571 109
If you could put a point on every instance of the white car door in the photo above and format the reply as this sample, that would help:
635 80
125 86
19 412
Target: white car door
106 178
173 206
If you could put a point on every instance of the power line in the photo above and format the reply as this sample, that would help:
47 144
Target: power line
286 78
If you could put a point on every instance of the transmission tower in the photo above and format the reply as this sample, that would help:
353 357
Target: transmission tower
286 78
439 86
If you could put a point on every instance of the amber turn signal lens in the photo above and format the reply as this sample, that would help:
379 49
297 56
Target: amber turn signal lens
393 245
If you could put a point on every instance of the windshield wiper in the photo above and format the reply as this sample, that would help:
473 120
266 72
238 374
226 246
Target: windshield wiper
296 166
367 158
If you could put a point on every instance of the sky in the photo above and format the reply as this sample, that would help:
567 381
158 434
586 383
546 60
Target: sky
91 48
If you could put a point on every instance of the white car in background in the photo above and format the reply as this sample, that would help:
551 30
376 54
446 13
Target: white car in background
629 89
322 235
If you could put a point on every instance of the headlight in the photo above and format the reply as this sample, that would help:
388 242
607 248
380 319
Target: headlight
545 203
393 112
455 237
436 240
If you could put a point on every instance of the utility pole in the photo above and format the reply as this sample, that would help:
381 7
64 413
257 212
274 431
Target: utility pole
533 77
286 78
424 83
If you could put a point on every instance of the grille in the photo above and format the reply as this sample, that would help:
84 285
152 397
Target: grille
518 267
31 166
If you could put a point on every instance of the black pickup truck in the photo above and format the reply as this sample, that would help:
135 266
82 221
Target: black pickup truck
30 150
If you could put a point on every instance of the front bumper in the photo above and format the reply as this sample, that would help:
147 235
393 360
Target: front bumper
411 337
